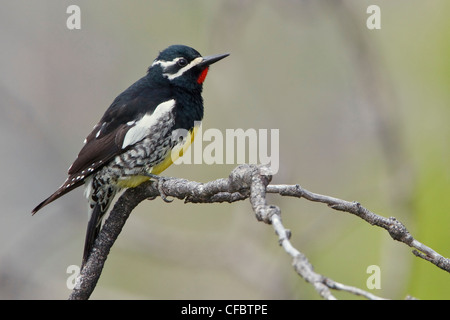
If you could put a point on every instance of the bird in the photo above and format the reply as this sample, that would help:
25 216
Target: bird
144 130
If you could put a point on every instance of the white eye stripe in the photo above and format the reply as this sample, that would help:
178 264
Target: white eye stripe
165 64
168 64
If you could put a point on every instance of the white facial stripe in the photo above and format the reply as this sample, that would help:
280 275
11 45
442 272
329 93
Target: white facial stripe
167 64
192 64
144 125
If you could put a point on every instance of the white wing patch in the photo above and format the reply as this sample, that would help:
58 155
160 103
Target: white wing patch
142 127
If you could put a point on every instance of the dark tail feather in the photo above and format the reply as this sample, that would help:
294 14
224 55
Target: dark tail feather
93 229
66 187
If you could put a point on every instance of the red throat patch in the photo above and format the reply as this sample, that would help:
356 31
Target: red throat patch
202 76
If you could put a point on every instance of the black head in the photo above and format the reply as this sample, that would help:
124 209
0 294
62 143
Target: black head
182 66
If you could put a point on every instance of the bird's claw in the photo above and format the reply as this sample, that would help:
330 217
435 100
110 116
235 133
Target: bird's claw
160 180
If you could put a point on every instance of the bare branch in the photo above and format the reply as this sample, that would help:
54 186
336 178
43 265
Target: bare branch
245 182
395 228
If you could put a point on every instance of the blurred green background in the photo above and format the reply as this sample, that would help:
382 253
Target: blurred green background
363 115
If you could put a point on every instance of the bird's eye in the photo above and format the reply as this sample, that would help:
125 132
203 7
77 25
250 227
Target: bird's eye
182 62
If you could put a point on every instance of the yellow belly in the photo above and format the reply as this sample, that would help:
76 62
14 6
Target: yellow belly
173 155
132 181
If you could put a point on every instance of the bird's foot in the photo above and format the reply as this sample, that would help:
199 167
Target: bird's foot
159 180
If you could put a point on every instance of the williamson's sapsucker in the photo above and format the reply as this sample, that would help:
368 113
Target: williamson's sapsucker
144 130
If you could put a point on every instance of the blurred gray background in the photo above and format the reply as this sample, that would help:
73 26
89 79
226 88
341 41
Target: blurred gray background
363 115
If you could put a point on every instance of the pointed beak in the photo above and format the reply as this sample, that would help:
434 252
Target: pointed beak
209 60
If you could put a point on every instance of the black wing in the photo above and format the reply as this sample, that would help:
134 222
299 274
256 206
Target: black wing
106 139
